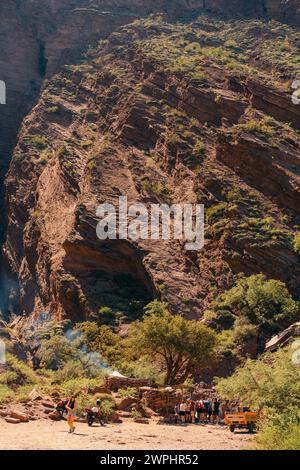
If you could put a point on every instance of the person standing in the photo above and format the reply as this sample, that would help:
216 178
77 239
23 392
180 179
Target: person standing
176 411
188 412
206 404
216 409
209 411
193 410
201 411
71 413
182 411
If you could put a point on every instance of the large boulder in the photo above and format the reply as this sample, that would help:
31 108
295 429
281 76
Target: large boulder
124 404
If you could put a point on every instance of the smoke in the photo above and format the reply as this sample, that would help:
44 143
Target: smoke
9 293
90 358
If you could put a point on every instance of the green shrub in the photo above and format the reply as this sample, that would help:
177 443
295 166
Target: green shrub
39 141
18 373
296 243
225 319
106 315
216 211
56 351
265 302
128 392
108 409
244 331
262 128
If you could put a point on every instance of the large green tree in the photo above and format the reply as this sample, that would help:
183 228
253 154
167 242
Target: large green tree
181 346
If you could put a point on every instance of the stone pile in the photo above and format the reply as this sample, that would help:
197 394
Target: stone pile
161 399
116 383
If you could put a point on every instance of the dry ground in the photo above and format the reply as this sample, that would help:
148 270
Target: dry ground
44 435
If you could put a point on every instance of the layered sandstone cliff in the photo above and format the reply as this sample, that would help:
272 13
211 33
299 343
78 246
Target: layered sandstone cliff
128 121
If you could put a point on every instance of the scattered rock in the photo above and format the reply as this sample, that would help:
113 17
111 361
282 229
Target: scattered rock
149 413
54 416
141 420
3 413
12 420
48 404
19 415
116 418
125 415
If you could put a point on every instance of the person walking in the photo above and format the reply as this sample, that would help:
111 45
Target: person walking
71 413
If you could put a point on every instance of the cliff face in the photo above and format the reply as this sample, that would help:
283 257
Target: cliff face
139 118
128 122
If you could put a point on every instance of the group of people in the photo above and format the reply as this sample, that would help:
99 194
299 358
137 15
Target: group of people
199 411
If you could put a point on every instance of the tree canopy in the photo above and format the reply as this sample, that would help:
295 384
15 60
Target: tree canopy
182 346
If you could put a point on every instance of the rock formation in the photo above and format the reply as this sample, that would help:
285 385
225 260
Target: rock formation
119 121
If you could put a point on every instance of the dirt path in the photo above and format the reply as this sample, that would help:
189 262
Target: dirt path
44 435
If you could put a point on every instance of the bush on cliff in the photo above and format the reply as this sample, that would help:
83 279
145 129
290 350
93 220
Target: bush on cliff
264 302
296 243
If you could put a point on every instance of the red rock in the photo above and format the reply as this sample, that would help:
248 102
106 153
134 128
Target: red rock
124 403
48 404
141 420
123 414
12 420
23 417
54 416
35 395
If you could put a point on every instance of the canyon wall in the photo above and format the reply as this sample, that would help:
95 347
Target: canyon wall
53 264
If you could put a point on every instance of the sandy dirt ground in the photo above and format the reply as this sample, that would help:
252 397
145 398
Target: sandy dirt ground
47 435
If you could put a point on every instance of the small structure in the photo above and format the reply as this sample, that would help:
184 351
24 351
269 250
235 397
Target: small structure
115 381
284 338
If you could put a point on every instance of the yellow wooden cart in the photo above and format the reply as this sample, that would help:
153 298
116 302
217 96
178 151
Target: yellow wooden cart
242 420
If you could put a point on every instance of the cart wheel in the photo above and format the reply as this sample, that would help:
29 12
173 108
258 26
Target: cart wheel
232 428
251 428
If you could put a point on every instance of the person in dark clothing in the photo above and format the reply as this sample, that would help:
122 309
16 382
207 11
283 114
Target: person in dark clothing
209 411
216 409
71 409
